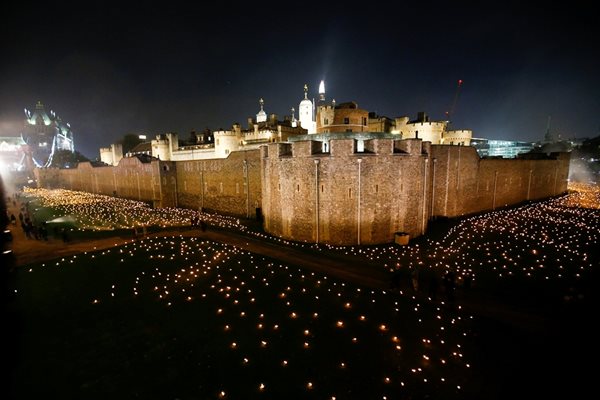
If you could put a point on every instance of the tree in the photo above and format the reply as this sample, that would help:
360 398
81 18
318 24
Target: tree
129 141
67 159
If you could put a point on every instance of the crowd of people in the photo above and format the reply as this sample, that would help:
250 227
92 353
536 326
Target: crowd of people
32 228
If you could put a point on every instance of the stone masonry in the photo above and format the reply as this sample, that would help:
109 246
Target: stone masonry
341 196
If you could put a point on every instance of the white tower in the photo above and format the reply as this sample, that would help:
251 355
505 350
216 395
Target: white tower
262 115
305 112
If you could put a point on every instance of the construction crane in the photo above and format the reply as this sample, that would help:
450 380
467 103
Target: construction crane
450 112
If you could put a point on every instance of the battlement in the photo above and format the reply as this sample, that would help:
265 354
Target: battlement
225 133
439 124
458 136
346 147
459 132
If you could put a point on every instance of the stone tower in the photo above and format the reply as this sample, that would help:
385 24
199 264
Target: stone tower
305 111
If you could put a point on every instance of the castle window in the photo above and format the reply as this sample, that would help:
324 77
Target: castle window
298 187
364 121
349 193
376 188
326 121
279 187
346 121
321 188
360 146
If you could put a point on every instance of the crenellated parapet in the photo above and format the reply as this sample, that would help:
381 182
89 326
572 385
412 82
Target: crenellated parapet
347 147
461 137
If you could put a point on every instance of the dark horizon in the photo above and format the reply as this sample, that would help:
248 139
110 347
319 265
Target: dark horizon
109 72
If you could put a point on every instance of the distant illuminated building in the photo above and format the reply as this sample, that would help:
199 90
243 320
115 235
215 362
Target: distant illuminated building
339 118
435 132
12 155
500 148
380 123
44 134
266 128
111 155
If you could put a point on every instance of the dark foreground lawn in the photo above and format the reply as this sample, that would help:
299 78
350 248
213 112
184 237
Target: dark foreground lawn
189 319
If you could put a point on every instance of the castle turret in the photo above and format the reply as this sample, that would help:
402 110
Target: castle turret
305 111
161 148
293 120
421 128
343 117
227 141
461 137
261 116
111 155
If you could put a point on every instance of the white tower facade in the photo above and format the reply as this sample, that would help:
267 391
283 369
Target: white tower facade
305 112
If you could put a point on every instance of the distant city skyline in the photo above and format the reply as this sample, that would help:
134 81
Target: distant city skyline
110 72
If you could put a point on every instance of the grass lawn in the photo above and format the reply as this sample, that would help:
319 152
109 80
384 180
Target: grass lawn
190 319
184 318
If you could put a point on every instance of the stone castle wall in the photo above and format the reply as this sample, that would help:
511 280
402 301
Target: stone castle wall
341 196
219 185
152 182
465 184
314 196
230 186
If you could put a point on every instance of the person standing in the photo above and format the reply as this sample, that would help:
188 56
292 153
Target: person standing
414 277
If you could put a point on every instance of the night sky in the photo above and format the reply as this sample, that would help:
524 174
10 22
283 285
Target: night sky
109 71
